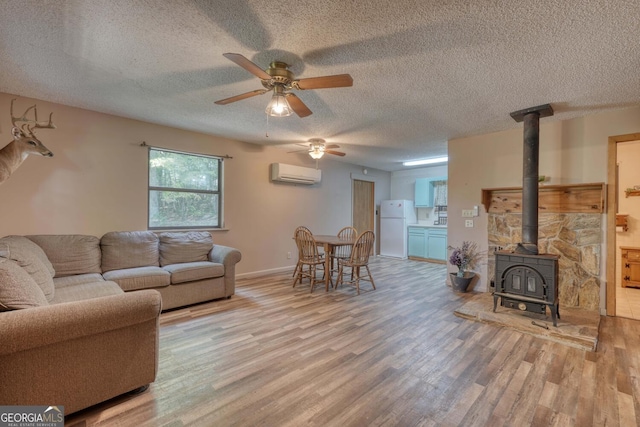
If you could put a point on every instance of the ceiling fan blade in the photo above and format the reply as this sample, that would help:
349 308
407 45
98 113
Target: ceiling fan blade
331 146
241 97
335 153
247 65
339 80
298 106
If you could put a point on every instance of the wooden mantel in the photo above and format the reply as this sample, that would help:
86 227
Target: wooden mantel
575 198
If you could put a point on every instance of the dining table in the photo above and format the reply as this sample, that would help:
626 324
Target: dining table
329 243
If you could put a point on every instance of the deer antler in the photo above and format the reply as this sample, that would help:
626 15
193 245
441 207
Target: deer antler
28 122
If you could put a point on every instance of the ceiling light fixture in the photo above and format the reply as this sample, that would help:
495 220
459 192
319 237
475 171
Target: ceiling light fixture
316 151
279 106
430 161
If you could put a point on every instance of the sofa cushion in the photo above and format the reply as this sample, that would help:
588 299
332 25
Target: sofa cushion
76 279
190 271
21 250
36 250
17 289
129 249
133 279
70 253
86 291
188 246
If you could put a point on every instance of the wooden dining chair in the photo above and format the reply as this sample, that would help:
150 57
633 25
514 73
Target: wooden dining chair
309 256
343 252
359 258
295 235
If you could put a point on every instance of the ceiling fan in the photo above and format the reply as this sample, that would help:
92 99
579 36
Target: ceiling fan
279 79
317 147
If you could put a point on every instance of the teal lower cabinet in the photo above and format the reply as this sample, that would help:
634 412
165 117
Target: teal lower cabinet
437 244
417 242
427 243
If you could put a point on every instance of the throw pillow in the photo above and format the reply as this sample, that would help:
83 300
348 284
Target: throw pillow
17 289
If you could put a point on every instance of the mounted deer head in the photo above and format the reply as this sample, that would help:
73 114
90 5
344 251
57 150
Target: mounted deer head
24 142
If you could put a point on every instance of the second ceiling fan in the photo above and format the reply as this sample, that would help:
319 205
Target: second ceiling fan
279 79
317 147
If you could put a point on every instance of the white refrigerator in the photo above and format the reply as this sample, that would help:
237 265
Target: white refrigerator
395 215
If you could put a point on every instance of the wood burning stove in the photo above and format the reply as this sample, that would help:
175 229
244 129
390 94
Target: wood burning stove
527 283
526 280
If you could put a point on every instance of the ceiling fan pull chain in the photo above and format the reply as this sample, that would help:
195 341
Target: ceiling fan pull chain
267 132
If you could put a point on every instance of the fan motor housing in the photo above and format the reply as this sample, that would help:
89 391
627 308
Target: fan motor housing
279 73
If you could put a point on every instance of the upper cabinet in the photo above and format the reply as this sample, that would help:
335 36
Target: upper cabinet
424 194
431 192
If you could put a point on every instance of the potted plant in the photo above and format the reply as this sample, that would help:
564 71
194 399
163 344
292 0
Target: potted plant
465 258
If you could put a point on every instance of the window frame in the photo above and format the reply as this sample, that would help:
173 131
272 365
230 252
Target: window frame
218 192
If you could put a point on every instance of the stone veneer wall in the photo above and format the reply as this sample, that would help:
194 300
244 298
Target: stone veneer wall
576 237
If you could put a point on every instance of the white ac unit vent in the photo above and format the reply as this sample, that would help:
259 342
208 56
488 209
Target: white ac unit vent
295 174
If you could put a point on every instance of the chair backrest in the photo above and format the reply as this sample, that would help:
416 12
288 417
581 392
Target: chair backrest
307 247
347 233
362 248
297 231
300 228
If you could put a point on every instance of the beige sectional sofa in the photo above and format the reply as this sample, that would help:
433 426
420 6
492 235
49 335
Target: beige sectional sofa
73 332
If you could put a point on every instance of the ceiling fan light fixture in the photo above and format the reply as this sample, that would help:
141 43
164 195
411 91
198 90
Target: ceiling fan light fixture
430 161
279 106
316 152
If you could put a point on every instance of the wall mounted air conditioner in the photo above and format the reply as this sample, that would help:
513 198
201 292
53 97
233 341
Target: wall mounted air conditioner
294 174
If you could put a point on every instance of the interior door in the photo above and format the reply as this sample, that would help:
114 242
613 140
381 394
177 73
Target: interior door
364 206
613 270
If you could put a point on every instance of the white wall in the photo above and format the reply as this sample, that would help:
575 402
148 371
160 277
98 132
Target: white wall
571 151
97 182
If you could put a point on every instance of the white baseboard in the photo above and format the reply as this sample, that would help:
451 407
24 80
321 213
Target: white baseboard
265 272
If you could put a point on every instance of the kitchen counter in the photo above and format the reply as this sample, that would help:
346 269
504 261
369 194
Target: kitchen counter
426 225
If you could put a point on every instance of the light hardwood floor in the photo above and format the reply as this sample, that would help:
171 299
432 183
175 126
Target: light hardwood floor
397 356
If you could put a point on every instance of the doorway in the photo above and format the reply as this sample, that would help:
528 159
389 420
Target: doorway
363 205
615 292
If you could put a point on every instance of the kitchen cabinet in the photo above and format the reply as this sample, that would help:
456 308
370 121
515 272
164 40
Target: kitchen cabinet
424 191
427 243
630 269
417 242
437 244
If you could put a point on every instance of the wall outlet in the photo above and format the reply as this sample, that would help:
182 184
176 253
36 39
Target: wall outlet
467 213
468 223
288 255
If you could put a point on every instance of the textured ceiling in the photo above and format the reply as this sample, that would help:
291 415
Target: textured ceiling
424 71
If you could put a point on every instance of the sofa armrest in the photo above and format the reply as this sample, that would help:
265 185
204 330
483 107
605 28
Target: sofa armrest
22 330
79 353
228 257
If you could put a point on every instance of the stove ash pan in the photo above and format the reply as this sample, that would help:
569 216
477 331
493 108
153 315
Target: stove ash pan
527 283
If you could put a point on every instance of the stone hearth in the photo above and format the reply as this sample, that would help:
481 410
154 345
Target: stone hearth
576 328
575 237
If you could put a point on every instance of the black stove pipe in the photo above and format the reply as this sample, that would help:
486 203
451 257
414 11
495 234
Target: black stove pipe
531 161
